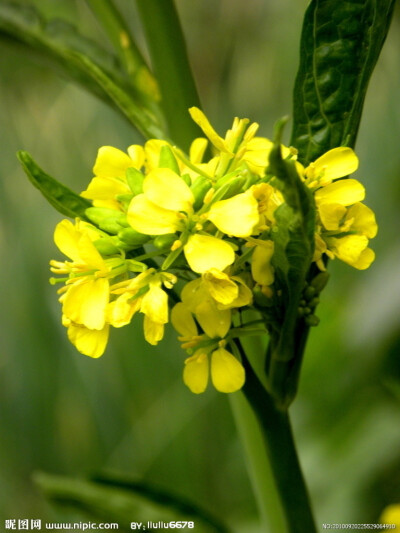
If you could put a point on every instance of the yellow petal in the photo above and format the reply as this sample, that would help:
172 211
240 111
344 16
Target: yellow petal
105 189
344 192
155 304
66 237
331 215
257 154
146 217
245 296
348 248
182 320
235 216
227 373
197 149
166 189
203 253
121 310
261 268
364 220
215 322
367 257
137 155
153 331
334 164
86 301
220 286
89 342
90 255
111 162
203 122
195 373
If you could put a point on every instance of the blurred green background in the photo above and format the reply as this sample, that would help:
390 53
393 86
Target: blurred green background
64 413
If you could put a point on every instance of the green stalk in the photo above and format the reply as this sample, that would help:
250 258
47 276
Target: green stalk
258 466
171 66
278 440
120 36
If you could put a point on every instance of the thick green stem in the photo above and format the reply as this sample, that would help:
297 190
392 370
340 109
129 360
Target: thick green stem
258 465
280 447
171 66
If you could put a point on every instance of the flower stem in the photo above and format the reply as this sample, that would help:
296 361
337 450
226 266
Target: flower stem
258 465
278 440
171 66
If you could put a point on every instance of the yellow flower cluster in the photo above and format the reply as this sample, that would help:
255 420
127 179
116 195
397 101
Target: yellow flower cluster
165 223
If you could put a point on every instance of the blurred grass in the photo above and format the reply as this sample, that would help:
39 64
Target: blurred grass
67 414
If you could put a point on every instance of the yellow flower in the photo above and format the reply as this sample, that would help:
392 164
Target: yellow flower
109 170
228 292
86 294
332 165
344 224
145 294
166 206
215 322
227 373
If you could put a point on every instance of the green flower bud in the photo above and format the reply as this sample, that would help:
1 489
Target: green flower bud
132 237
135 180
164 241
309 292
311 320
229 189
260 299
200 187
109 220
106 246
167 159
320 281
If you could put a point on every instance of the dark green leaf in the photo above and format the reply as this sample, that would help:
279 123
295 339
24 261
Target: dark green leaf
122 502
340 44
63 199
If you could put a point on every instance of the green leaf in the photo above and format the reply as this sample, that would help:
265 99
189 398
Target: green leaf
143 119
119 34
340 44
123 501
63 199
59 44
293 253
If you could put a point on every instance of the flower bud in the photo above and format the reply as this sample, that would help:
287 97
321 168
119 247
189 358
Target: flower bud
109 220
164 241
135 180
168 160
132 237
200 187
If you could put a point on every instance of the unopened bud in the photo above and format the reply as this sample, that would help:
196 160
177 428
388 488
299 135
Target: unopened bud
175 245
